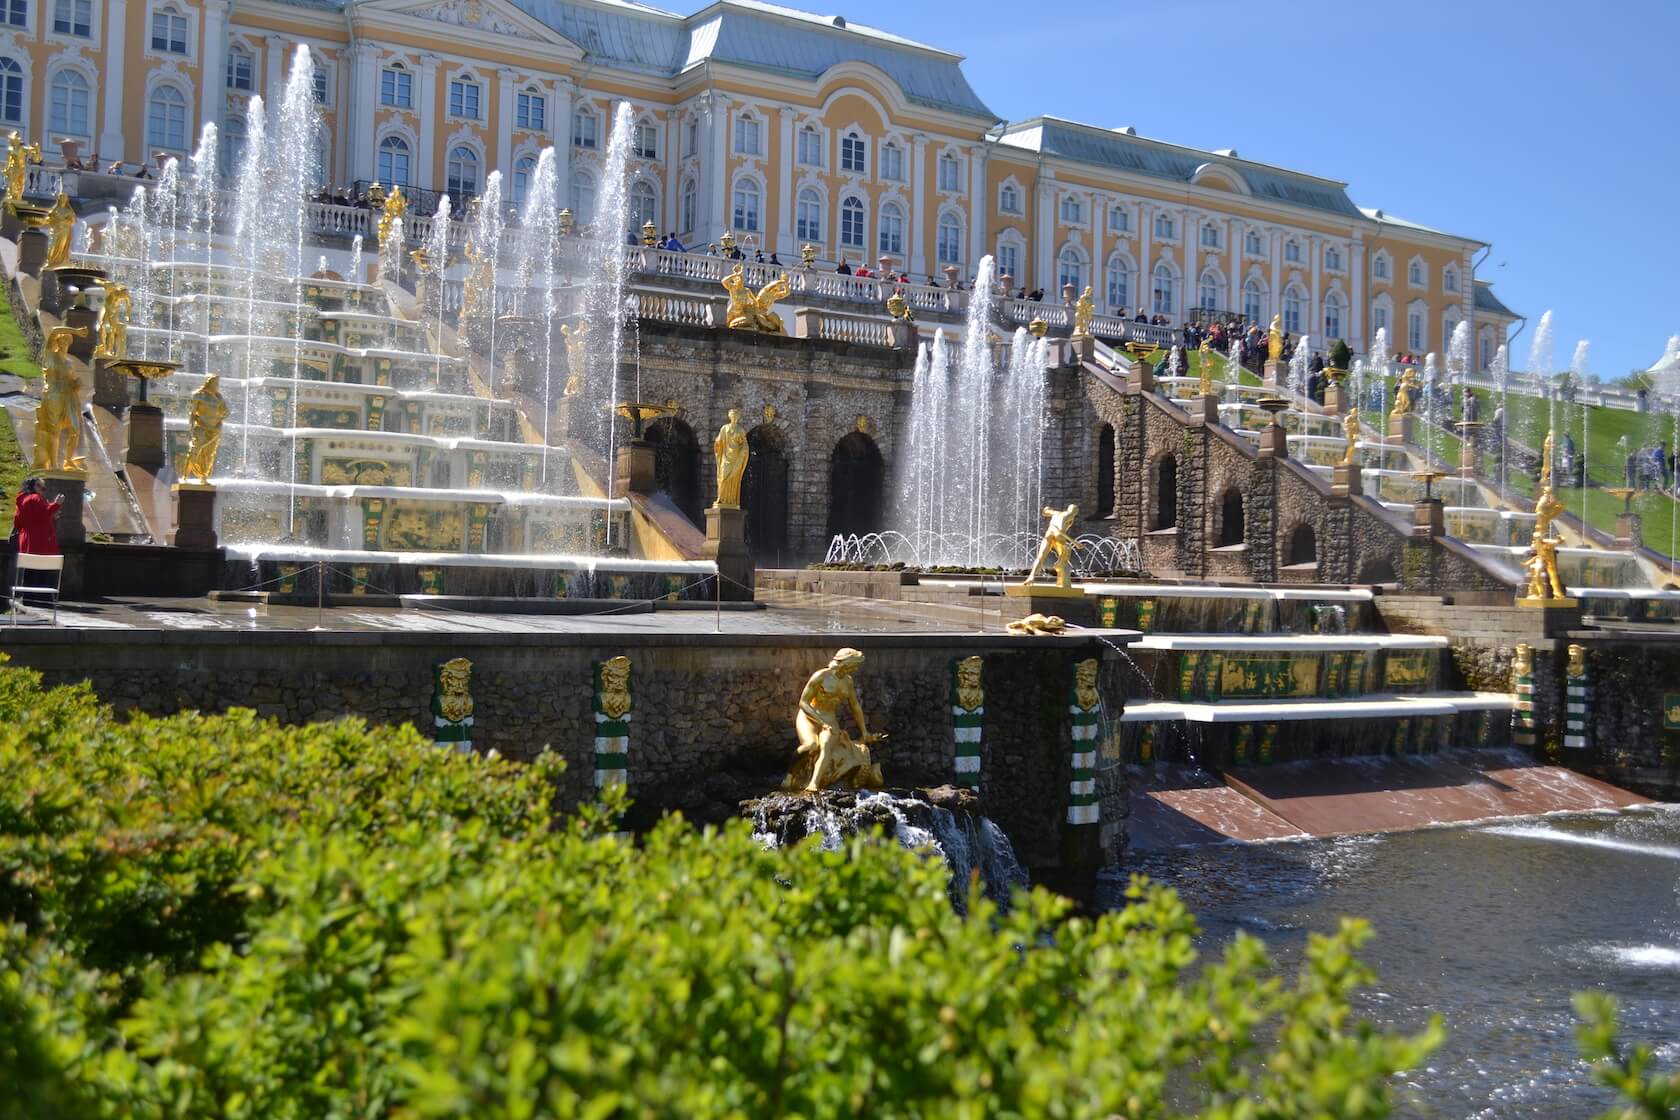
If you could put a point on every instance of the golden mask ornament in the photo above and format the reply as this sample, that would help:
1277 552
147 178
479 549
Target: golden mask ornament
970 694
1522 660
615 686
1577 660
1085 683
455 700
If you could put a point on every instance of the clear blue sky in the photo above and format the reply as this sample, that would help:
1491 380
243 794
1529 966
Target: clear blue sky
1551 132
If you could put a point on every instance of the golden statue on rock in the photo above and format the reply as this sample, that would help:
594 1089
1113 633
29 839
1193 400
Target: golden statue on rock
1403 393
18 158
1058 541
1546 465
204 420
828 755
61 219
58 418
113 322
732 451
749 312
1084 312
394 207
1351 432
1274 338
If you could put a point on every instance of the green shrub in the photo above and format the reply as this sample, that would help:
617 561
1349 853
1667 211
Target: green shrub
221 917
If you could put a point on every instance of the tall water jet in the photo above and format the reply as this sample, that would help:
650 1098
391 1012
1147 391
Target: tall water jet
1458 351
603 295
1501 373
437 255
1578 380
1298 360
1540 366
1376 366
356 260
485 227
535 269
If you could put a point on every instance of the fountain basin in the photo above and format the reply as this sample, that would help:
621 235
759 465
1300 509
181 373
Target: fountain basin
1283 711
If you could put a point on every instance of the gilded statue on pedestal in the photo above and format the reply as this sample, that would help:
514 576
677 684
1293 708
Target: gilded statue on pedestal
574 358
1058 541
1546 463
479 281
1084 311
61 219
1204 372
828 755
204 420
394 207
898 307
751 312
18 158
731 450
1541 565
58 419
1351 432
1274 338
113 322
1403 393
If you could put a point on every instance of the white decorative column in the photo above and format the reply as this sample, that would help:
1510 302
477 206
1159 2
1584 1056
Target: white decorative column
1314 324
1274 241
1355 325
1044 270
671 152
717 216
560 127
358 115
274 76
504 129
425 170
214 75
916 236
1146 246
1237 230
976 211
116 50
785 243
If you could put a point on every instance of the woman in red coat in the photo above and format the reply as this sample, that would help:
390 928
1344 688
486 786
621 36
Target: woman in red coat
36 520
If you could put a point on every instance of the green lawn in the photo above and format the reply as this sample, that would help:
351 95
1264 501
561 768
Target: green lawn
1527 418
1656 513
16 355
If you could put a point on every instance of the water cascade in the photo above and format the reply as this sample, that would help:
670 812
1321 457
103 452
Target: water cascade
1298 362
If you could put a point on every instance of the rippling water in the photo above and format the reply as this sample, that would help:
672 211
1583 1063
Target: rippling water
1493 927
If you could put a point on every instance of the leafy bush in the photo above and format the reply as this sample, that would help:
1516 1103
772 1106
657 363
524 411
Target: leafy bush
221 917
1651 1096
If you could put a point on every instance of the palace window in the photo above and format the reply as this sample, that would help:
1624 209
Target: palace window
1294 309
854 153
11 91
746 205
582 196
749 136
1208 292
892 230
73 17
1210 238
1333 315
68 104
691 136
524 170
1008 260
1072 212
169 31
1414 273
584 125
1449 279
464 99
530 111
462 173
950 174
1448 325
1254 302
690 201
1379 317
851 223
1333 260
1414 330
1487 351
644 205
645 141
809 226
810 147
1162 290
1164 227
1252 245
1009 199
396 87
1292 251
322 79
233 145
166 119
950 240
1119 221
1070 269
240 71
1119 286
1379 266
393 161
892 163
17 13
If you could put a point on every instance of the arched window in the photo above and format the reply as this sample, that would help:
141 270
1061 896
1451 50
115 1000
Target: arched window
73 17
1449 324
1105 470
746 209
1294 309
1292 251
1119 285
1380 269
166 119
851 223
68 104
530 112
892 229
1207 292
1484 347
892 162
644 205
241 69
582 196
1210 236
1449 279
1303 546
854 153
1072 212
809 226
11 91
1230 519
1166 493
1414 272
393 161
523 169
810 147
462 173
1414 327
1070 269
1161 290
1254 301
644 141
1009 258
1009 199
950 173
1382 311
1119 221
690 202
950 239
1333 315
584 131
1333 258
1164 227
1252 245
748 135
233 145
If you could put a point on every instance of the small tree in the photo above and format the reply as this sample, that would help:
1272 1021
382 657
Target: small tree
1340 356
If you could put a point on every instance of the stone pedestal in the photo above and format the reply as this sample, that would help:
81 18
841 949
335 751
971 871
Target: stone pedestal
1069 603
1428 518
86 320
1205 408
903 333
1084 347
69 488
633 472
145 436
1337 399
726 546
1401 427
1630 531
1144 377
1275 372
1557 616
32 250
195 515
110 386
1274 442
1347 480
10 227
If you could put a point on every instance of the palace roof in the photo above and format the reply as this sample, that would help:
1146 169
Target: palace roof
1486 301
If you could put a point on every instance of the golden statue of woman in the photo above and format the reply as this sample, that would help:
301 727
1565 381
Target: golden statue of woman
113 322
204 420
395 206
1084 311
1274 338
18 158
1058 541
1351 432
731 450
61 219
1546 462
828 755
58 419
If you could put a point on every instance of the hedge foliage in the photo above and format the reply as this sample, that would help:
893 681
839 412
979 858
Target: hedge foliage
222 917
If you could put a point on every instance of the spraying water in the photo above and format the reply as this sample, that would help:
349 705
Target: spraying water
603 295
1298 365
1540 366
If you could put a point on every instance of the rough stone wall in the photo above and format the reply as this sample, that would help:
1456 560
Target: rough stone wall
1629 682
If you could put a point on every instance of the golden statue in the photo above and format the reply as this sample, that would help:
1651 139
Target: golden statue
1546 511
575 358
731 450
18 158
395 206
615 686
1084 311
479 281
898 307
1274 338
828 756
113 322
1522 661
1577 660
1351 432
1058 540
1037 624
1546 463
58 419
1403 393
422 259
204 420
1205 370
1085 683
454 699
751 312
60 220
1541 565
970 694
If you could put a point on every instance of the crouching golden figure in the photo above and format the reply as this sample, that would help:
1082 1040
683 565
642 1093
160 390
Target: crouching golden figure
750 312
828 755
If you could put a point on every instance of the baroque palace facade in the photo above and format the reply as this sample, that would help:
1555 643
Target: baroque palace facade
786 127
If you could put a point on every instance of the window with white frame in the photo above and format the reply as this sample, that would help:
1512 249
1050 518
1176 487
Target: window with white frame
1379 317
394 161
1414 273
1070 269
1210 236
321 77
1449 279
241 70
809 223
1207 292
1252 245
950 173
1009 260
1009 199
17 12
1487 351
1333 315
1449 323
169 30
1414 329
68 100
73 17
645 141
524 170
1073 212
746 205
892 163
1380 267
396 87
749 135
232 145
691 135
950 240
1163 290
530 111
1119 285
1292 251
1254 301
1332 258
461 180
464 98
892 230
810 147
166 118
1119 220
1164 227
11 91
1294 309
854 153
582 196
851 223
690 200
644 205
584 126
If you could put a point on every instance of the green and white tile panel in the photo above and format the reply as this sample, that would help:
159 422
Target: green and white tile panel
1522 712
1577 697
1082 786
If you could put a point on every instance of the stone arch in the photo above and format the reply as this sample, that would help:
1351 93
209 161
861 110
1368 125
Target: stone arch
1105 470
1164 507
1378 569
764 496
1228 527
676 464
1300 546
856 473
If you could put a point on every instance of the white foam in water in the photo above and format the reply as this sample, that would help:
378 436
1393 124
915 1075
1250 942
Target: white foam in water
1537 832
1647 956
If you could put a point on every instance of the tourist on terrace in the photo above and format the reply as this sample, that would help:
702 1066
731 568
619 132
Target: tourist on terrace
843 268
758 256
863 272
1036 295
774 262
673 244
35 520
